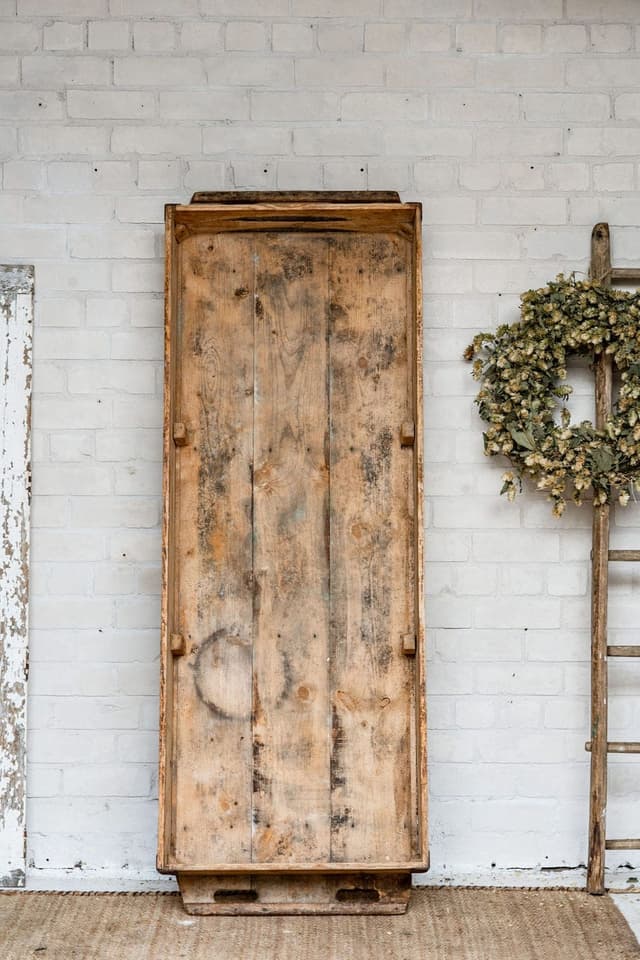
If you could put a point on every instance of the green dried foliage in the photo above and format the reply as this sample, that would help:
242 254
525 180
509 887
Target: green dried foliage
522 371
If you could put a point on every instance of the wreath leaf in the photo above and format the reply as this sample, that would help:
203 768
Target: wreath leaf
523 437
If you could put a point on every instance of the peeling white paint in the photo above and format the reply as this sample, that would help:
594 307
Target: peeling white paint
16 313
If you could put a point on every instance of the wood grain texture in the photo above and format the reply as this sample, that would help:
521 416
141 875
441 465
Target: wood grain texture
420 793
166 759
320 218
244 197
273 895
213 535
600 270
16 310
291 732
372 601
626 556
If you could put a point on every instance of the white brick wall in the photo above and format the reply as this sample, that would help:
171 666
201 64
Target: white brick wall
516 124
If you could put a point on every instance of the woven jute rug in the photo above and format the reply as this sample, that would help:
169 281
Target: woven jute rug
441 924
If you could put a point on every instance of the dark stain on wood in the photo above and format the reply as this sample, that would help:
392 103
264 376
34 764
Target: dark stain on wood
376 461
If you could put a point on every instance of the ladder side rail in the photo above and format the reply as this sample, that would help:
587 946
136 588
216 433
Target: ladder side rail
600 270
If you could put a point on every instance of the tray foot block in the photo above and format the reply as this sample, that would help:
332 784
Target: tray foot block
259 894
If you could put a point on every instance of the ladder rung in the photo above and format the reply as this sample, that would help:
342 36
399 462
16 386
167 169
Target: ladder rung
624 554
619 746
625 273
622 844
619 650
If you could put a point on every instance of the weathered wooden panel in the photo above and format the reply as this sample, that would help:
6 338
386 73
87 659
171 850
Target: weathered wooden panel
16 311
291 492
372 552
292 699
214 552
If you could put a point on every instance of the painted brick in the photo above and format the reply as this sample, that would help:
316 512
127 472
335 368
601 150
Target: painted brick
292 37
201 35
137 512
158 71
521 38
520 72
428 142
253 174
415 73
212 105
601 72
58 71
568 176
19 35
541 210
453 9
124 377
22 104
116 105
152 35
153 8
476 38
102 780
66 447
382 106
475 245
340 37
253 71
518 142
245 35
610 37
286 106
605 141
566 106
80 141
134 546
382 37
111 244
348 71
429 37
76 209
338 141
627 106
519 9
298 174
109 35
565 38
63 36
335 8
23 175
523 176
457 107
177 140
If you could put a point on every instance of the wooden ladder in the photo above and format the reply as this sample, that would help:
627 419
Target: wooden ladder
601 556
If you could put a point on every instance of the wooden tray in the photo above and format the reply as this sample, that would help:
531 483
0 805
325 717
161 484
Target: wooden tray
293 716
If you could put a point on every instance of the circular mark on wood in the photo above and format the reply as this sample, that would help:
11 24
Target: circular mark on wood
220 672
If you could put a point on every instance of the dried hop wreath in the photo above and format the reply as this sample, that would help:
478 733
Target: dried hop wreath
522 368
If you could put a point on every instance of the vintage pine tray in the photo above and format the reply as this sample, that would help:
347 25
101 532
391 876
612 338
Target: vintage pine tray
293 759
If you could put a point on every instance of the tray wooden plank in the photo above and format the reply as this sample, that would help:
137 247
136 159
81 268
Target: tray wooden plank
291 484
372 587
300 217
244 197
213 536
